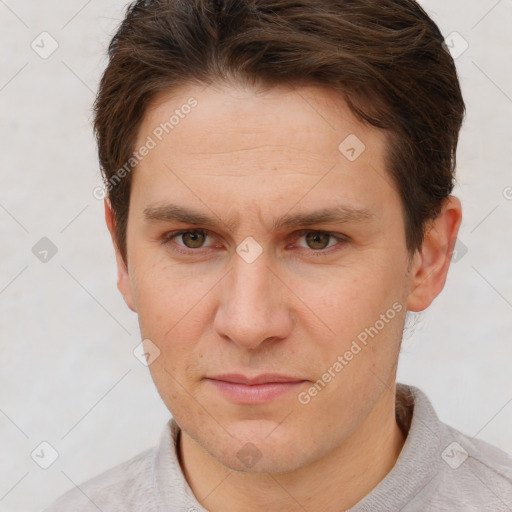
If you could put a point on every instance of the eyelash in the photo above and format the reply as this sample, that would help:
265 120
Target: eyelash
342 239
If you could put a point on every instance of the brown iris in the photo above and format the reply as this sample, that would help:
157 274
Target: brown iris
196 239
316 237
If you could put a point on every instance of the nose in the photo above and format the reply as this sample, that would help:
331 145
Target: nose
254 304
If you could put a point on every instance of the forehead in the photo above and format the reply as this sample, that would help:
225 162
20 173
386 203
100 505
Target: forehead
233 142
226 118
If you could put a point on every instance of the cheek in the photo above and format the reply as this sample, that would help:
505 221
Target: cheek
156 305
353 297
171 313
363 307
163 294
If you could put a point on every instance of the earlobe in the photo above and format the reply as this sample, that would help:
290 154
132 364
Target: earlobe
431 263
124 284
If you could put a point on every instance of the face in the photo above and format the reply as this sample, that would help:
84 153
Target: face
253 284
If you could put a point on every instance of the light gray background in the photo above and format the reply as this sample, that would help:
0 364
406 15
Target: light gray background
69 376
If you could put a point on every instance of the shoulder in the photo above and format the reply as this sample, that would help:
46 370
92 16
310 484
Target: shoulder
120 488
445 468
475 472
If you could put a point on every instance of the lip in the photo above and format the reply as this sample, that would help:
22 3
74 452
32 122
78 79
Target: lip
254 390
265 378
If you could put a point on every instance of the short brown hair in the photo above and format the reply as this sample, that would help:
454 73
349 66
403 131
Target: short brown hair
385 57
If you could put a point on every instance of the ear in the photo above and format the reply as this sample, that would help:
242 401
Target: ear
431 263
123 279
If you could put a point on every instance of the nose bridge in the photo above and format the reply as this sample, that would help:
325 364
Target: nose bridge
252 309
250 289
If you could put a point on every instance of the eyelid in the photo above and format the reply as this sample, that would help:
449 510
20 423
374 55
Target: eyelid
339 236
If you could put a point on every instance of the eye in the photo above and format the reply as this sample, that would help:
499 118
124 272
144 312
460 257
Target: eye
318 241
191 238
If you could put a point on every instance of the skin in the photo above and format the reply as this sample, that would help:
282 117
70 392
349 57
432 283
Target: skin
246 156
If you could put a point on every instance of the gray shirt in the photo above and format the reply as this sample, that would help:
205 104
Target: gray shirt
439 469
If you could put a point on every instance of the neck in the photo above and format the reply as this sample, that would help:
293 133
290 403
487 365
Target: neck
333 483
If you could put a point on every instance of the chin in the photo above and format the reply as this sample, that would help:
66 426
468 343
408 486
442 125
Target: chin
260 446
268 461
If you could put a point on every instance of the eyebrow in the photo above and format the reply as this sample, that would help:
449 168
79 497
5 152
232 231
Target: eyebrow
336 215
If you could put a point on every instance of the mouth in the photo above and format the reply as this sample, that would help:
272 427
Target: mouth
256 390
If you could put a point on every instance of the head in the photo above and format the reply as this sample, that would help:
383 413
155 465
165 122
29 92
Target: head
279 178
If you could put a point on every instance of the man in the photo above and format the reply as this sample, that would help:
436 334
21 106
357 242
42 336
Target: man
278 179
